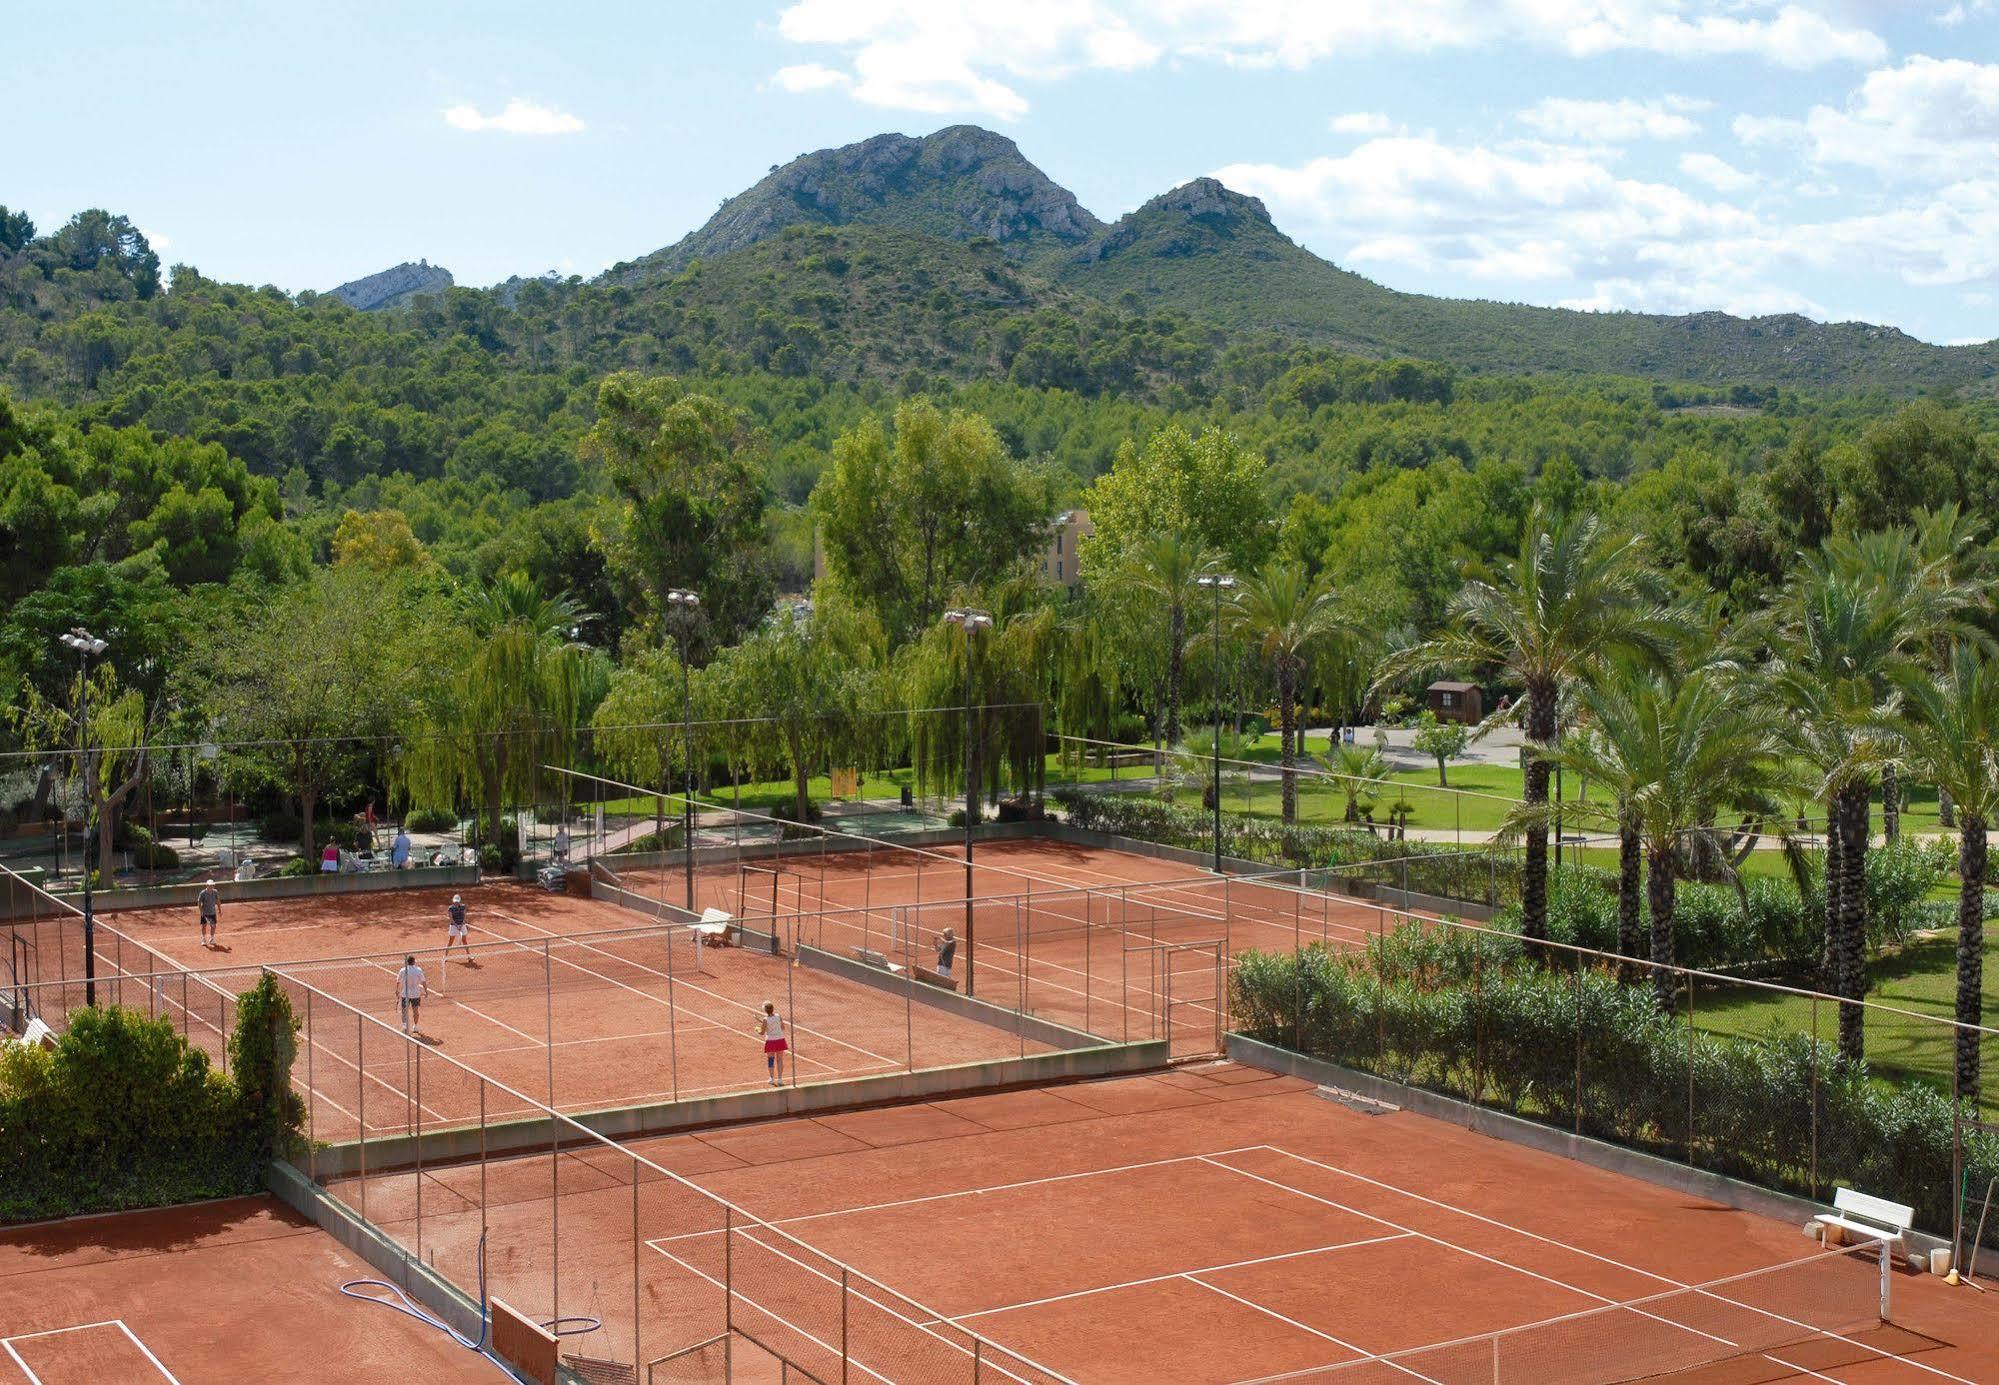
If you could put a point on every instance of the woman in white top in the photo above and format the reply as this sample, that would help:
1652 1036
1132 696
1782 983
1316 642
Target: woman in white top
771 1028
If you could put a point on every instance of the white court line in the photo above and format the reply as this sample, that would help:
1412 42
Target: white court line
989 1188
1361 1353
119 1323
698 990
1183 1274
1564 1245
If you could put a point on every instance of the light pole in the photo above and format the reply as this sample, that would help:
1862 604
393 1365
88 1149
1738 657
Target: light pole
971 621
87 647
687 603
1220 582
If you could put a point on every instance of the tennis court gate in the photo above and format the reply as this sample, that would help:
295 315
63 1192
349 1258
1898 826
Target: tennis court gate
1189 985
20 1004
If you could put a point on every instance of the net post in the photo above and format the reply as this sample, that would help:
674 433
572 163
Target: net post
311 1088
637 1354
1887 1263
361 1101
417 1102
548 1013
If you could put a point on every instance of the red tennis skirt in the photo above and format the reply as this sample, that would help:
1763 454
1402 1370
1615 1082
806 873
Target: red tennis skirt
775 1045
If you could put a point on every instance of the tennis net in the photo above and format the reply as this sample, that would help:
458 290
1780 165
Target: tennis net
1763 1315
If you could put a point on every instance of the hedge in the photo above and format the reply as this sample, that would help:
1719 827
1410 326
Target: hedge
1481 874
1712 931
1473 1017
124 1113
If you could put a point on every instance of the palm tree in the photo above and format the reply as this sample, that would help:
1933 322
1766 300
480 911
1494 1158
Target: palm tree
1950 730
1287 615
1840 636
1573 596
1362 770
1164 568
1672 749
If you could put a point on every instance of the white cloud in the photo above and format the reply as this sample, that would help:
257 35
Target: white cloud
1717 173
808 77
1361 123
969 55
1958 13
1614 122
518 118
1928 118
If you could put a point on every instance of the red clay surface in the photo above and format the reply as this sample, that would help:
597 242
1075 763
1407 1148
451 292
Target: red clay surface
628 1024
236 1290
1212 1224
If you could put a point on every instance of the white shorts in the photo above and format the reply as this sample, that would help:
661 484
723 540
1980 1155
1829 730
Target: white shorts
455 930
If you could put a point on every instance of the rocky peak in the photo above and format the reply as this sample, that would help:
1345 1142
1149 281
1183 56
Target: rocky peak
960 182
393 287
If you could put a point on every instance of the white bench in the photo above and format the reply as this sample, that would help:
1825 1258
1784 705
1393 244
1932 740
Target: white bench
868 957
1870 1218
712 929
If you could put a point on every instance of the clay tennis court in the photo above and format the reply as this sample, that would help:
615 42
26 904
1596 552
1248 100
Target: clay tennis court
243 1289
568 1001
1210 1224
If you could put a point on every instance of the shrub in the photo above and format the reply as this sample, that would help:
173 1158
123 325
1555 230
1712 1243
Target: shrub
261 1052
155 856
1472 1016
280 825
297 865
499 855
430 820
123 1113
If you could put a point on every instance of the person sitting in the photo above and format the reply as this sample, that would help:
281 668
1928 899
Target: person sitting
329 859
399 850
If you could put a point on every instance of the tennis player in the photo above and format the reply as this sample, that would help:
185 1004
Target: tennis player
454 929
210 903
947 953
771 1027
411 988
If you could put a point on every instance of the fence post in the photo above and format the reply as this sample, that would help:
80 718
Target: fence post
361 1100
1814 1050
417 1101
843 1325
311 1091
1690 1068
1577 961
548 1014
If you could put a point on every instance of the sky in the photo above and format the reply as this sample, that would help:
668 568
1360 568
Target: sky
1837 158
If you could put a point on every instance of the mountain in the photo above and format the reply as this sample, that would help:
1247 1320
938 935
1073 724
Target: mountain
961 183
1212 254
394 288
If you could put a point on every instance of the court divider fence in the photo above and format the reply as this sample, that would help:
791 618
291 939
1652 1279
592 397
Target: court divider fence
634 1267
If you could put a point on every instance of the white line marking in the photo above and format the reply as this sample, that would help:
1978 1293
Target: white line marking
119 1323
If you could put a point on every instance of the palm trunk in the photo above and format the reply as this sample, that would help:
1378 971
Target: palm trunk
1891 804
1970 951
1852 942
1630 891
1659 894
1287 723
1534 869
1176 658
1829 945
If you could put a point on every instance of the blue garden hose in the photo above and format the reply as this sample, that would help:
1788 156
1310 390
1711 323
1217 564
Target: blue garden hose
401 1302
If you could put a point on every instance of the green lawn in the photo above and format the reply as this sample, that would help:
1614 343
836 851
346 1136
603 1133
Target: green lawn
1922 978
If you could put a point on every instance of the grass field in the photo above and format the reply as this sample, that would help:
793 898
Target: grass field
1921 977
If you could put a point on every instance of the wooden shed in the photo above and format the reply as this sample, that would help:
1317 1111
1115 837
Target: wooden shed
1457 702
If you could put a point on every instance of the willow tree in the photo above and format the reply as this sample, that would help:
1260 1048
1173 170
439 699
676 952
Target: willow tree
802 674
638 728
104 759
513 687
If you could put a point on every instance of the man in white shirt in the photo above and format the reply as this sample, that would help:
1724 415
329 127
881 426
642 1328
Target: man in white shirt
411 988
